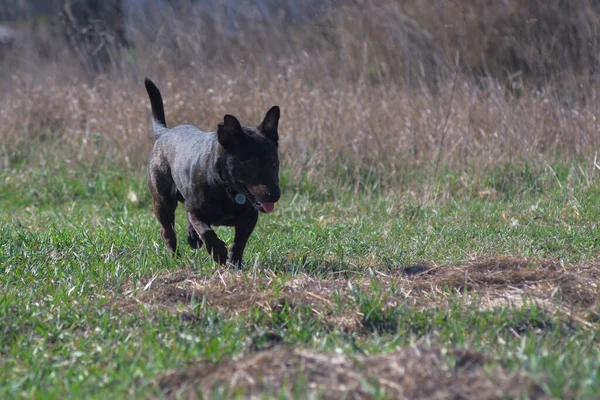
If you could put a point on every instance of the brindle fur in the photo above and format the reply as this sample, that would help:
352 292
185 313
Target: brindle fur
205 171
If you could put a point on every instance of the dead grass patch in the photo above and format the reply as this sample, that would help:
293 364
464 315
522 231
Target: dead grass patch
489 283
230 292
509 281
273 368
413 372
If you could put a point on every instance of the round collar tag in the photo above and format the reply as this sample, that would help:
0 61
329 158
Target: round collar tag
240 198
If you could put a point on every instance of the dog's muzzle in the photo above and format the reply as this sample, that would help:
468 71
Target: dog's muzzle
264 199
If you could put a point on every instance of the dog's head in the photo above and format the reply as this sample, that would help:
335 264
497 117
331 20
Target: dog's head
250 159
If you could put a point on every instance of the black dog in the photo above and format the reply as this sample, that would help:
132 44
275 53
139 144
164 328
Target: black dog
222 178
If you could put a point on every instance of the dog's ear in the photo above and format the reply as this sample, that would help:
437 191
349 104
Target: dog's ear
270 124
229 130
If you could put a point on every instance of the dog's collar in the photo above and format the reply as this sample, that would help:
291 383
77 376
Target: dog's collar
243 197
239 196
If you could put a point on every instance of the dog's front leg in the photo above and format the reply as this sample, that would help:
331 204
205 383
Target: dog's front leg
215 246
243 230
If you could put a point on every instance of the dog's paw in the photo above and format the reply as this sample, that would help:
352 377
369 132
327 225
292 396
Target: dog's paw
194 241
192 237
236 264
218 252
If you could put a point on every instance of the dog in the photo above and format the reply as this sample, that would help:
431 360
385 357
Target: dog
223 178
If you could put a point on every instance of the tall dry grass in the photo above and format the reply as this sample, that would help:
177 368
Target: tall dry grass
369 90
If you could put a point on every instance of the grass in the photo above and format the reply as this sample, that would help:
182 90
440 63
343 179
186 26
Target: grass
73 250
437 237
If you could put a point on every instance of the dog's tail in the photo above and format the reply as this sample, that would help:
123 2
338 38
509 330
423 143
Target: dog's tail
158 110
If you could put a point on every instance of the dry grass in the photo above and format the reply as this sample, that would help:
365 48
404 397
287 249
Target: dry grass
378 131
374 84
566 292
414 372
570 290
375 95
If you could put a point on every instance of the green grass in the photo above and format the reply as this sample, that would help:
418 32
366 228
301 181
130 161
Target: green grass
70 240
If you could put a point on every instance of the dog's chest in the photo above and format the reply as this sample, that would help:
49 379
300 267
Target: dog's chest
221 210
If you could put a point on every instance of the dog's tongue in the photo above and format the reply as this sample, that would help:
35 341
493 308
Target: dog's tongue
268 207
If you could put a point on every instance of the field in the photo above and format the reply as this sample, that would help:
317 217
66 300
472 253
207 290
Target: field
475 296
438 234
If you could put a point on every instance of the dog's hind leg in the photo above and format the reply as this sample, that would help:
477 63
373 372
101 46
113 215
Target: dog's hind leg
164 209
192 237
164 197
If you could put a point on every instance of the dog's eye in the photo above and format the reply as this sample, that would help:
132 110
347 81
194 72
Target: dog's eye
274 165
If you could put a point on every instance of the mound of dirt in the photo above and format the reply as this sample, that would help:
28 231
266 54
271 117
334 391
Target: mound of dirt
413 372
489 283
416 372
230 292
509 281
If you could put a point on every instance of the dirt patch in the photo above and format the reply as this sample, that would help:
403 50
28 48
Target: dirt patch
569 289
415 372
501 272
273 368
231 292
490 283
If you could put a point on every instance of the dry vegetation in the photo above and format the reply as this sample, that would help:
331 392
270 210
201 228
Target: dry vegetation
374 94
415 372
568 293
489 283
383 85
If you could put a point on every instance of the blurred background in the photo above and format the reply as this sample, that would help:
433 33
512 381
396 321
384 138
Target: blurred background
404 41
384 84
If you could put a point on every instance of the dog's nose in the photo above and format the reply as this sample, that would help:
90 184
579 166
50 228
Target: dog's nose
274 195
